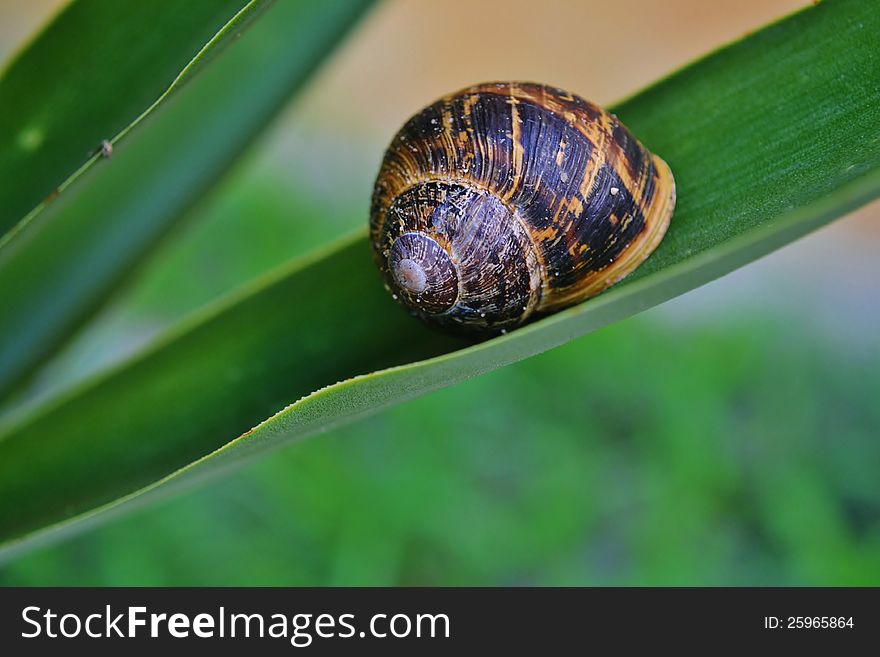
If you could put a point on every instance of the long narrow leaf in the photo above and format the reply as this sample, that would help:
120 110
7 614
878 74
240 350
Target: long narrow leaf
769 139
65 261
94 70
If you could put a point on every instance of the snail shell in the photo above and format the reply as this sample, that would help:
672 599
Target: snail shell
509 199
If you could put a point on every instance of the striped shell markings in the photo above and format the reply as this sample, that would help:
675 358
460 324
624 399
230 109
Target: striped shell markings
505 201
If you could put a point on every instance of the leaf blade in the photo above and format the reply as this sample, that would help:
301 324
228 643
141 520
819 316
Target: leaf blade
791 190
93 87
64 263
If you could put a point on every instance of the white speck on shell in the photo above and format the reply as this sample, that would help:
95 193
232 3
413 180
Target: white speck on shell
614 191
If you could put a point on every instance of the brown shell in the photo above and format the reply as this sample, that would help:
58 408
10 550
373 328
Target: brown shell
509 199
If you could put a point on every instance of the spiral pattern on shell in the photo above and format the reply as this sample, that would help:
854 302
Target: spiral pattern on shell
509 199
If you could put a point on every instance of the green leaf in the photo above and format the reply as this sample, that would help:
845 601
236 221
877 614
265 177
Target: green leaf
768 138
98 69
62 263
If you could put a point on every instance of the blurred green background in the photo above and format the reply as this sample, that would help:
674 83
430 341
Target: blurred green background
729 437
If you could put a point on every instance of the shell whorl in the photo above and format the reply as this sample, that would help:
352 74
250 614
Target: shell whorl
424 273
455 256
571 203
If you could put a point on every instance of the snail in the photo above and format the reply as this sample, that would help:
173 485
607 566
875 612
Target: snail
507 201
